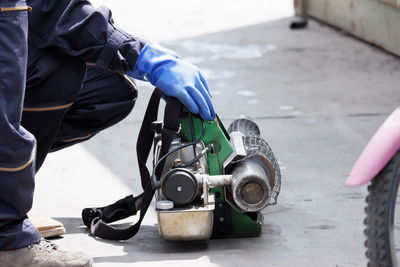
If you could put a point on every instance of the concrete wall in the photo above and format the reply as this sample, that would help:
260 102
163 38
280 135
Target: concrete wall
376 21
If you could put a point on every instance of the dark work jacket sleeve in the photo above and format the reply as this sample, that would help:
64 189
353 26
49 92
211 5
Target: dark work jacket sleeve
76 28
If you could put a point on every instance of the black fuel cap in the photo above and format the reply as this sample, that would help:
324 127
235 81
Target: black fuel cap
179 186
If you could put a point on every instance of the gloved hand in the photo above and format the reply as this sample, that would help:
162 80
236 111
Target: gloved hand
175 77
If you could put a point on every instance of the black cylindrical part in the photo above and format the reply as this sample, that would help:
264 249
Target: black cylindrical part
179 186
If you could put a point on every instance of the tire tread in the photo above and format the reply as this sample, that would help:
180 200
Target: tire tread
377 219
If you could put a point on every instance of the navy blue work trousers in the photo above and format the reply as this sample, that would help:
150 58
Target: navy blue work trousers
47 112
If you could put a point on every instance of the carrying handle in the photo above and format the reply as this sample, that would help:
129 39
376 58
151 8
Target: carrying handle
95 220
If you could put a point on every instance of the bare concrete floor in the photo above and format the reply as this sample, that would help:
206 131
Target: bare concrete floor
317 95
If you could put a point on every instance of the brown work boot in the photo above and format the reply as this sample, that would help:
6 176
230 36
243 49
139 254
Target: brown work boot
43 254
47 226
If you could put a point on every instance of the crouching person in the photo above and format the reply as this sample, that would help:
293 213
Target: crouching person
72 78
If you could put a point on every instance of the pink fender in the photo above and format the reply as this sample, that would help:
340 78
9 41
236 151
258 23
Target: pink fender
383 145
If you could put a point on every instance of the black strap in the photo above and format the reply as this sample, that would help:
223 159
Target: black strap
119 210
146 136
96 219
171 127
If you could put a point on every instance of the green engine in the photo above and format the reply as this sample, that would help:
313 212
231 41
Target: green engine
215 182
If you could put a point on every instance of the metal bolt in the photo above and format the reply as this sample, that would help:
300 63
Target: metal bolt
221 219
179 188
212 151
220 206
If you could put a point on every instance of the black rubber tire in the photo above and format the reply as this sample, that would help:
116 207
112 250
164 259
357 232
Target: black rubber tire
381 204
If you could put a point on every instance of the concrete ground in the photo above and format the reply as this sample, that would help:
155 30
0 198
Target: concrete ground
317 95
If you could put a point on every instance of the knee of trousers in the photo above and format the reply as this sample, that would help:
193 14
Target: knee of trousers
58 90
104 100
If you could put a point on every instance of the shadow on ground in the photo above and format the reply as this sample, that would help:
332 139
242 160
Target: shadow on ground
148 246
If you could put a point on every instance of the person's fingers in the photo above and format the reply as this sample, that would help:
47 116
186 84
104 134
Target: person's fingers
212 112
188 101
207 97
201 103
205 83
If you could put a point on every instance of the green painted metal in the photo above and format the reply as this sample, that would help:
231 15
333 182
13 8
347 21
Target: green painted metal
213 135
228 222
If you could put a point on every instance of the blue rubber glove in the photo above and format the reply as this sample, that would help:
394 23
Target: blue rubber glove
175 77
